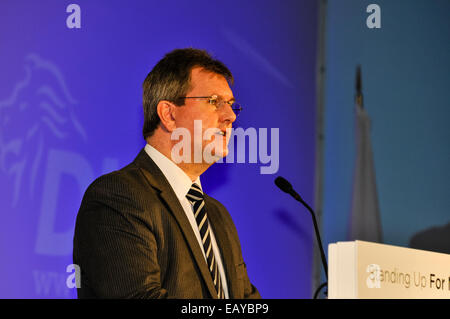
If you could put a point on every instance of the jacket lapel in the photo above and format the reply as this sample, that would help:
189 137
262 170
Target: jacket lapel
157 179
224 244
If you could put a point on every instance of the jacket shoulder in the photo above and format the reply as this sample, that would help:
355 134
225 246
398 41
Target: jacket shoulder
127 175
124 190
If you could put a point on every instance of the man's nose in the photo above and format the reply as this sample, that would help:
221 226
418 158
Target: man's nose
228 114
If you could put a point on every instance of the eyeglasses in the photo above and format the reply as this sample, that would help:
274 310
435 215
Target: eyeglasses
218 102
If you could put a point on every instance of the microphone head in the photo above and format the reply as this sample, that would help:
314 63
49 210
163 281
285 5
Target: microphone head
283 184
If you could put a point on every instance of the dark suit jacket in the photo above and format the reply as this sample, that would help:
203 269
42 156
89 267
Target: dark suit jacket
133 240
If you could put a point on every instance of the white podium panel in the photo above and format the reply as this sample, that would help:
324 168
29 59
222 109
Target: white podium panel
367 270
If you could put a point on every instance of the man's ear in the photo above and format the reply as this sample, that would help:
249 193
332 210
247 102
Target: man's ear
166 113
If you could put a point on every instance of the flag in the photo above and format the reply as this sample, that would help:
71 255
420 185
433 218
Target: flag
365 223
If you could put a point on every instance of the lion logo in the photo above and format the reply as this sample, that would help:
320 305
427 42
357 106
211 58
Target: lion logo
36 117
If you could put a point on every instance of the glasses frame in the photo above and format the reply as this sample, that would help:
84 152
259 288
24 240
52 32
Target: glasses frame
236 107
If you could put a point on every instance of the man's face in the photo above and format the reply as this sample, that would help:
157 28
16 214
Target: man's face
206 83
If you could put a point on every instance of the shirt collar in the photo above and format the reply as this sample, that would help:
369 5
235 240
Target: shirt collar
177 178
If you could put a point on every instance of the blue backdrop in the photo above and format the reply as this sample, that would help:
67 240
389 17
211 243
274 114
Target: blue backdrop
405 74
70 110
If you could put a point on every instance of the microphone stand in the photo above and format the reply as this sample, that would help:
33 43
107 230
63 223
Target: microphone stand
316 229
285 186
319 241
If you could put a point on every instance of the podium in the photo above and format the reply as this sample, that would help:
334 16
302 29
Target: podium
365 270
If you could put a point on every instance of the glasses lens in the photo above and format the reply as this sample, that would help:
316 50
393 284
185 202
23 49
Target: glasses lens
237 108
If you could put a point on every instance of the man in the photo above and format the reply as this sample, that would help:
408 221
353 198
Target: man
148 230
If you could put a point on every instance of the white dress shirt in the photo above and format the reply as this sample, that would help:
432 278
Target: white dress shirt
181 184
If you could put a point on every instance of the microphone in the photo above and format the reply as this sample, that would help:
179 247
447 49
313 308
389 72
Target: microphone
286 187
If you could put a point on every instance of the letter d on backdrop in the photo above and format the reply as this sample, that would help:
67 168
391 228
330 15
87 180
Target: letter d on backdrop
49 242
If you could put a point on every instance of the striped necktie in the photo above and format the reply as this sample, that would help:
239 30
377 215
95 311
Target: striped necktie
195 197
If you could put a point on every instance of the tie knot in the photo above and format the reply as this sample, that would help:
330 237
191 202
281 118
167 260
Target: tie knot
195 194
